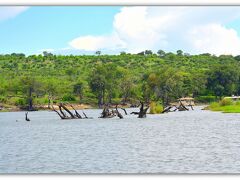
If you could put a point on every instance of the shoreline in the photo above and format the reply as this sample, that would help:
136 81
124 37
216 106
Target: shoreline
12 108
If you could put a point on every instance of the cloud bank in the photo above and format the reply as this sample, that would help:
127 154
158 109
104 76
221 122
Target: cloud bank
192 29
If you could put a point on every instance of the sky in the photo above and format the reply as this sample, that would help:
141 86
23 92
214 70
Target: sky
113 29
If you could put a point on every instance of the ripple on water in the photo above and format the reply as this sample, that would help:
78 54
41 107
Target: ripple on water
181 142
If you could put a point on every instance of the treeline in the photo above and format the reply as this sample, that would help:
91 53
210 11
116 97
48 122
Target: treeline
125 78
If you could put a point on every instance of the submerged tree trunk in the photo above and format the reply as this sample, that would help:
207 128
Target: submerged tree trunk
143 112
66 109
63 115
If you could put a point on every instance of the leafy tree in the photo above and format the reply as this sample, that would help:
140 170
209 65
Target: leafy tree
78 90
223 80
161 53
179 52
98 53
30 85
148 52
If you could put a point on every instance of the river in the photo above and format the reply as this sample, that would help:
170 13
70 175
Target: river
178 142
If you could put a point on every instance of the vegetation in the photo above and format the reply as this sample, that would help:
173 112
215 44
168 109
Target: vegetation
100 79
155 108
226 106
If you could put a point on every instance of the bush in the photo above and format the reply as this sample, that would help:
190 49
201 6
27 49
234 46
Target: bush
238 103
68 97
214 105
226 102
206 99
3 99
16 101
20 102
155 108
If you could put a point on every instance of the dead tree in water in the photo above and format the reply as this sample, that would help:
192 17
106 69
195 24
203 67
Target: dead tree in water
167 109
107 113
180 107
66 109
143 111
76 113
63 115
26 118
124 110
118 113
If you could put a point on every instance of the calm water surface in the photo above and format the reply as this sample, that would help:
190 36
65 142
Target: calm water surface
180 142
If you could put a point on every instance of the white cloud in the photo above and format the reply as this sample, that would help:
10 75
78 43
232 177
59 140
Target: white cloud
11 11
192 29
94 43
216 39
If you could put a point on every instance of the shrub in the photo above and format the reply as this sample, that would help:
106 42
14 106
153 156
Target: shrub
68 97
20 102
3 99
205 99
155 108
226 102
214 105
238 103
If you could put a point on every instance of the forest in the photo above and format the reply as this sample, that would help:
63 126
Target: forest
161 77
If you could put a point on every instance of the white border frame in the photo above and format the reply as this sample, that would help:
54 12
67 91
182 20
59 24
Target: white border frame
119 2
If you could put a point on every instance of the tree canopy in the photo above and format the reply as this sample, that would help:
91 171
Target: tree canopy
125 78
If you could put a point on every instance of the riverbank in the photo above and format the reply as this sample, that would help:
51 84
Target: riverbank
225 106
12 108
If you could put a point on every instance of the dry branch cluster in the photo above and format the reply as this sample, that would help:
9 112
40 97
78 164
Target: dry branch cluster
65 113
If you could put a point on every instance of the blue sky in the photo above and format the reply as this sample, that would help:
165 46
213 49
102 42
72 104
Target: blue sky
52 27
112 29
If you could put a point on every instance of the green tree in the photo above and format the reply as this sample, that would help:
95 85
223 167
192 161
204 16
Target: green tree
78 90
161 53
